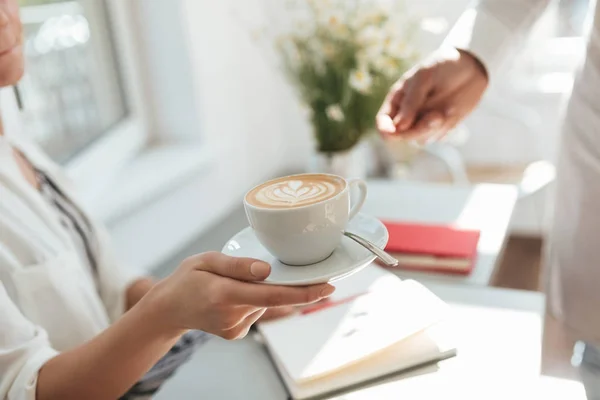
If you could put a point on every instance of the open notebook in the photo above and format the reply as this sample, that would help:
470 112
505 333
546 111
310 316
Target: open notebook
387 328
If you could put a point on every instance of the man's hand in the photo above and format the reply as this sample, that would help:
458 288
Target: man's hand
433 97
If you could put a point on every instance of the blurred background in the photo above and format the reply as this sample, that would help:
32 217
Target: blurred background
165 112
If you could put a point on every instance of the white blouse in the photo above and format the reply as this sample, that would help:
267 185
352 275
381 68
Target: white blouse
49 301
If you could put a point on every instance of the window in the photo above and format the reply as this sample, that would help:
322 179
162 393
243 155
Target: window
72 93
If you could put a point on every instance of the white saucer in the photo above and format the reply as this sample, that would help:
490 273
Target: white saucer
349 257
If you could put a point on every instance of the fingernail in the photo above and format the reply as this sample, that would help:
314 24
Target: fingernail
260 269
327 291
435 123
397 119
386 125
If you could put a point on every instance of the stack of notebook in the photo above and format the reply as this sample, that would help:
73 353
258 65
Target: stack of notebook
374 327
434 248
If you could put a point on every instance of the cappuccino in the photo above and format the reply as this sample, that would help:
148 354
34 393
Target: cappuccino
295 191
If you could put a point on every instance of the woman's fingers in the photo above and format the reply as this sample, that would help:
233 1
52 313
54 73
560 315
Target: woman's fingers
255 316
276 296
245 269
277 312
241 329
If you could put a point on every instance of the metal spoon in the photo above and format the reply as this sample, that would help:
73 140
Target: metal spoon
387 259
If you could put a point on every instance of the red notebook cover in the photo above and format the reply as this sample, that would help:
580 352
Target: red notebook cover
435 248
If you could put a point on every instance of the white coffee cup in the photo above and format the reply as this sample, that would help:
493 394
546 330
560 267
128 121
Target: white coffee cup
299 229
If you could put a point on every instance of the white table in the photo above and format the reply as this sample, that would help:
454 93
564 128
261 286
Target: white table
499 341
486 207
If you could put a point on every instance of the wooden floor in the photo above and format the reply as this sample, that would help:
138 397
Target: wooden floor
521 269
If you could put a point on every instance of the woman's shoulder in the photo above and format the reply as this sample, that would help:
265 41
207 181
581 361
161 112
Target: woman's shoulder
25 222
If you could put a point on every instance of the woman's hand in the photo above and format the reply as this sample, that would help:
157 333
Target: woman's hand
433 97
216 293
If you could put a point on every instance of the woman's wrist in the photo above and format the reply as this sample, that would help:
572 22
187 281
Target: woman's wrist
137 290
156 317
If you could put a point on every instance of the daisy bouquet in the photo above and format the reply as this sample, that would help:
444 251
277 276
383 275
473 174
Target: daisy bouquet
342 56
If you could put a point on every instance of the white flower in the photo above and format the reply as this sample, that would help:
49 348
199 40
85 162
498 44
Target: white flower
286 46
361 80
369 16
386 65
397 48
304 29
335 113
318 54
370 35
363 59
334 23
329 51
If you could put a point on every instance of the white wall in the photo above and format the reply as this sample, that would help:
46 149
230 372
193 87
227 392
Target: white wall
246 112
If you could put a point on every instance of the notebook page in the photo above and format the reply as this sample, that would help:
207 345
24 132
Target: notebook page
311 346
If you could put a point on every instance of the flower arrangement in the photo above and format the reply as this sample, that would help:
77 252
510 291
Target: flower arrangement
343 56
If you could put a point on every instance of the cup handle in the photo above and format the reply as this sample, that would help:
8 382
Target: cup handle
362 188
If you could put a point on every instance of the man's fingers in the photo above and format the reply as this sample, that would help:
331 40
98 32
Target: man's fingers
396 101
430 121
387 112
426 127
416 91
277 296
245 269
385 124
442 115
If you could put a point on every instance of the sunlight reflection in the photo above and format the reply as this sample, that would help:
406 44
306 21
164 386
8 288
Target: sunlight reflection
492 225
555 82
364 328
464 31
558 388
536 176
60 33
434 25
233 245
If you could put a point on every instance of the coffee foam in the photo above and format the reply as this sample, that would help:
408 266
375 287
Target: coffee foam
295 191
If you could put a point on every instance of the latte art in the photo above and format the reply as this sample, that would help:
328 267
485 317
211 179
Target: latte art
295 191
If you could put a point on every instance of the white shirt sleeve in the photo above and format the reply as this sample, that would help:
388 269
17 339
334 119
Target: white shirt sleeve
114 277
492 29
24 349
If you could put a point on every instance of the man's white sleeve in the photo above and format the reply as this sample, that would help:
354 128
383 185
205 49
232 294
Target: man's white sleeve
492 30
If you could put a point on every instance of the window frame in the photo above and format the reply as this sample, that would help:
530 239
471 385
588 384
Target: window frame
94 167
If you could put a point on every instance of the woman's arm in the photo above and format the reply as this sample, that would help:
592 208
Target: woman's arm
108 365
210 292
